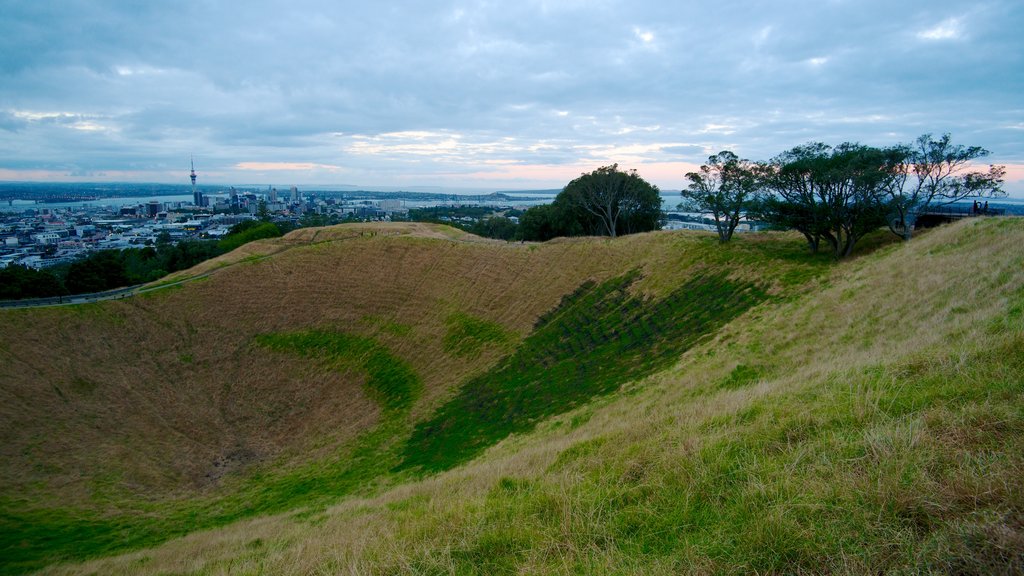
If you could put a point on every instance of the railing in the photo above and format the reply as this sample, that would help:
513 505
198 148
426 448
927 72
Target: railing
962 211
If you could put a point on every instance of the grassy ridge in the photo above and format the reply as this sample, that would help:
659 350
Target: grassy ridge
599 338
882 473
868 422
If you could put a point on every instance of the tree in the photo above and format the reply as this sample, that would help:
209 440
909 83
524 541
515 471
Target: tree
794 203
836 194
99 271
725 188
934 172
610 202
246 234
17 281
163 238
261 210
542 223
498 227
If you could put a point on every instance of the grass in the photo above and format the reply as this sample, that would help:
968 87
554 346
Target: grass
30 538
468 336
599 338
862 422
389 380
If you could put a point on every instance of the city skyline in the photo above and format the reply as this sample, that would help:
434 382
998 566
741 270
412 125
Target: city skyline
470 95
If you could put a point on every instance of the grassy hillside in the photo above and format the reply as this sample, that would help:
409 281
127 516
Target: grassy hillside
651 404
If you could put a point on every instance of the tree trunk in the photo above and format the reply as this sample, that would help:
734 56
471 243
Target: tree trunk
908 225
813 242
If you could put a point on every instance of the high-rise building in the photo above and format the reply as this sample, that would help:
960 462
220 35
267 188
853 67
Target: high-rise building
273 195
295 195
197 196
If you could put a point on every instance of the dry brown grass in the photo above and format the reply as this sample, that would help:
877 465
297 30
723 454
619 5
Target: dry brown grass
931 303
154 395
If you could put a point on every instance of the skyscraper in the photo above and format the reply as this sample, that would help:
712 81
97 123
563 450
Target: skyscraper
295 195
197 197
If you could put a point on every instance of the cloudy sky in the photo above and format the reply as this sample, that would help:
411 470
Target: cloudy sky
487 94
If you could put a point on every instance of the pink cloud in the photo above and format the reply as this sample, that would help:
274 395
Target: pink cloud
285 166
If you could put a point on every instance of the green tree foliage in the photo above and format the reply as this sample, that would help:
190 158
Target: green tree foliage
610 202
163 238
103 270
487 221
547 221
188 253
933 172
315 220
836 194
18 281
605 202
498 227
144 264
261 210
109 269
726 188
246 232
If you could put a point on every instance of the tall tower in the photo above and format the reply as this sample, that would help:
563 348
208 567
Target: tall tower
197 197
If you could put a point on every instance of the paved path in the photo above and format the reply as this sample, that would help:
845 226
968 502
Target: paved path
117 294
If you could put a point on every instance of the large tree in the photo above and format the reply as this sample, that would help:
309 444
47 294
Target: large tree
725 188
793 200
611 202
833 194
934 172
546 221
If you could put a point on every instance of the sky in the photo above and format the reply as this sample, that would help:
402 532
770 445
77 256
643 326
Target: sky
490 95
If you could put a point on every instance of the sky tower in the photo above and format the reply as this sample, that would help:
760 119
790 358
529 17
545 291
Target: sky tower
197 197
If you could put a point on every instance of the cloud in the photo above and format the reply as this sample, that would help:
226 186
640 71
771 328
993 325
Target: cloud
686 150
444 93
646 37
286 166
948 29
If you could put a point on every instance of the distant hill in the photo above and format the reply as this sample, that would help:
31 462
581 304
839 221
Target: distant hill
408 398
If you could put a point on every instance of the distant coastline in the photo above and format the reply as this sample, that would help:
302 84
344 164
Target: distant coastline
19 196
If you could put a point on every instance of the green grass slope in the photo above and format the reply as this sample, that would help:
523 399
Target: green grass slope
299 377
649 405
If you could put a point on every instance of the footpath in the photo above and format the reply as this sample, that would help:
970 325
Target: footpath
116 294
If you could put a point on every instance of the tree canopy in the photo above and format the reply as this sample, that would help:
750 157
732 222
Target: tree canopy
725 188
605 202
933 172
832 194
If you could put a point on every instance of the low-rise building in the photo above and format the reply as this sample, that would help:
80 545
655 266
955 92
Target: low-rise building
48 237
